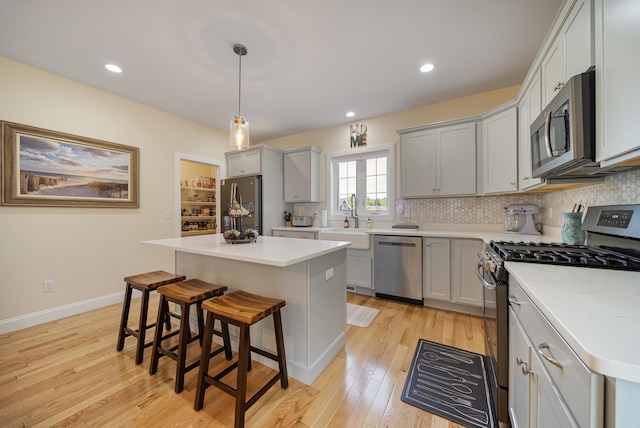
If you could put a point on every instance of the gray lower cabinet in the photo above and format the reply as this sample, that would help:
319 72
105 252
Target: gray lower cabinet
359 270
549 386
465 287
436 271
449 274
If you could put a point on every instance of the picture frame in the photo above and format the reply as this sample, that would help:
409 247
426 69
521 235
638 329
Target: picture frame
41 167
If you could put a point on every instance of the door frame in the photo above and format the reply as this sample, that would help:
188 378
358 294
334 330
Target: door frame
220 172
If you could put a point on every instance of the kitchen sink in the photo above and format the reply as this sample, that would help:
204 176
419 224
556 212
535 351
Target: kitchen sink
359 238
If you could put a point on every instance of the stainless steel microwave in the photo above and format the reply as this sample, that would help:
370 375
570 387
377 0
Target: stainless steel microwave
563 135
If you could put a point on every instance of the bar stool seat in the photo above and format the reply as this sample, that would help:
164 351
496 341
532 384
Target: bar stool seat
185 294
145 283
241 309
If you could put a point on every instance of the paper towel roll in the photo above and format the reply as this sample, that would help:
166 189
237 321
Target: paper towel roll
324 218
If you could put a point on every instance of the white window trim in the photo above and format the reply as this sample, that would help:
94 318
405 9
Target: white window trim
389 150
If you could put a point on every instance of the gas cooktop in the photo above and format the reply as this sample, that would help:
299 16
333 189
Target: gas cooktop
565 254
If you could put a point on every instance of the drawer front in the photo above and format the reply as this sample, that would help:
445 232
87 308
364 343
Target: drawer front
580 387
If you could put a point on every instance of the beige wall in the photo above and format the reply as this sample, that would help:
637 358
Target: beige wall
87 251
382 129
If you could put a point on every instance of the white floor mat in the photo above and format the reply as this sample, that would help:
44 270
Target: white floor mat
360 316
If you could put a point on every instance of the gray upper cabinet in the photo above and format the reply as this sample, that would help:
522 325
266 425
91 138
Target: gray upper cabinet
618 91
302 175
528 109
245 162
571 52
500 150
438 161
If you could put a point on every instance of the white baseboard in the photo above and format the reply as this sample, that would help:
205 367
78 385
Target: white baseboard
29 320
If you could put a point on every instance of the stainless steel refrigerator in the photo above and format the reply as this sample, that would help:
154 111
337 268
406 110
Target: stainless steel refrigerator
247 190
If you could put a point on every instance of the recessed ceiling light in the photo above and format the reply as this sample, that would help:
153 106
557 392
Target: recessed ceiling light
350 114
426 68
113 68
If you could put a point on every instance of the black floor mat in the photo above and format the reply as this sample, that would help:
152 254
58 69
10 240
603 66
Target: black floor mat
451 383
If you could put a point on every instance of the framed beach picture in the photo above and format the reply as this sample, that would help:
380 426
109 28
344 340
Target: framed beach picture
49 168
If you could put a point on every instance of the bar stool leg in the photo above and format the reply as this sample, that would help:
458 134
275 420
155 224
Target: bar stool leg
282 360
226 340
157 339
204 360
183 341
142 327
167 318
244 358
200 322
125 317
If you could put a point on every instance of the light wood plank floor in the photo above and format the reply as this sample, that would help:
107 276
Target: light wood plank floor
68 373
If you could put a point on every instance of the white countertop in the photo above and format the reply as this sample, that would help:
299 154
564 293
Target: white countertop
267 250
462 232
596 311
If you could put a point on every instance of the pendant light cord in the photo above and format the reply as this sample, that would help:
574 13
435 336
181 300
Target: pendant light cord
239 82
240 50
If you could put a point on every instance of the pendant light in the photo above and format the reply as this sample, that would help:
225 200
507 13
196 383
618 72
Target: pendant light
239 126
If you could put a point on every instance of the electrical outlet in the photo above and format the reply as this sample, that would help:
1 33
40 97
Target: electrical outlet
550 212
329 274
49 286
479 213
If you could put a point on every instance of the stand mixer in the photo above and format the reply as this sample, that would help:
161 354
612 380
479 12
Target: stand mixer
519 219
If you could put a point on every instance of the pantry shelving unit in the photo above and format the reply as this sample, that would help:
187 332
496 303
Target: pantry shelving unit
197 210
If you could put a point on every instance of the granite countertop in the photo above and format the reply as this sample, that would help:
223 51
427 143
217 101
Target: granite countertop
267 250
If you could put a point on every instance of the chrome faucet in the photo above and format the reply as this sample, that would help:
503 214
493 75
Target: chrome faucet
354 210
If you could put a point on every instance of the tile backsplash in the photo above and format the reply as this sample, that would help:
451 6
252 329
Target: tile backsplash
620 188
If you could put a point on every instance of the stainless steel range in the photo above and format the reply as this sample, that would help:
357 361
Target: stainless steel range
613 242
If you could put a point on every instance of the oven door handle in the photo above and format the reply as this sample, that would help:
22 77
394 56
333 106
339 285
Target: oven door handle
486 284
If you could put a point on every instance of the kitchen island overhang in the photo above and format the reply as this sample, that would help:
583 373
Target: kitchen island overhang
310 275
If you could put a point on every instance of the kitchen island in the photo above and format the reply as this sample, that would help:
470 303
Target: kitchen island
310 275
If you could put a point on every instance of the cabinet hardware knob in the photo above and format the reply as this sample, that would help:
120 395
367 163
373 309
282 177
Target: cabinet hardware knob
526 370
525 366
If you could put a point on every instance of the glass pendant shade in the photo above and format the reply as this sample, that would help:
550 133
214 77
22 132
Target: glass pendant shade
239 133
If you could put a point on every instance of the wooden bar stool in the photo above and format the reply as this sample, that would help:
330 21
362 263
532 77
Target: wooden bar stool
243 310
146 283
185 294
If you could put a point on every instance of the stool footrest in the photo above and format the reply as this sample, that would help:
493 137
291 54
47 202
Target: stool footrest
215 381
264 353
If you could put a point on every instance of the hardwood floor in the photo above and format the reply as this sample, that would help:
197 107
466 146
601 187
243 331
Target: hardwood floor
68 373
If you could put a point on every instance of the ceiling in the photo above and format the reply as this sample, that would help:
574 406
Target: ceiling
308 62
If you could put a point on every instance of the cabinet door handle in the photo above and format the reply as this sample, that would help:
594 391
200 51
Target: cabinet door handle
513 301
541 348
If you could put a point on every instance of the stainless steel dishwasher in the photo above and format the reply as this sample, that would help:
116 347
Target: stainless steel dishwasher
397 267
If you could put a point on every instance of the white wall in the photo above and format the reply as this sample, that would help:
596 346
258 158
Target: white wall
88 251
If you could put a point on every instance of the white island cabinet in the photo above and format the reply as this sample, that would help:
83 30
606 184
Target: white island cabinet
310 275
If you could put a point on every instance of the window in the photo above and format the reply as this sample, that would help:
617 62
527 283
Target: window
367 174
